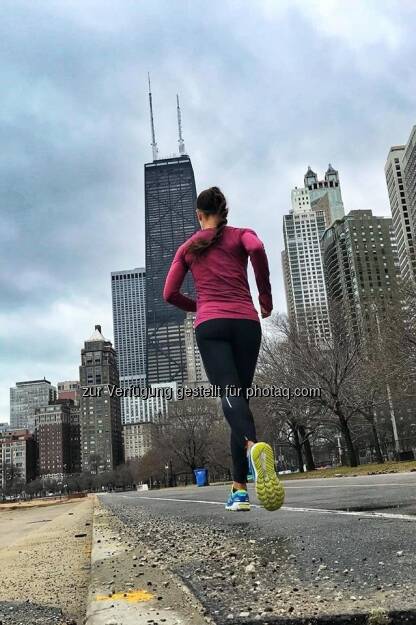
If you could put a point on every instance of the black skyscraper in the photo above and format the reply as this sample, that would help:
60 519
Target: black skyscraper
170 202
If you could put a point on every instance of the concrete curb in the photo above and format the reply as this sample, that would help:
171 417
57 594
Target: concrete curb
115 599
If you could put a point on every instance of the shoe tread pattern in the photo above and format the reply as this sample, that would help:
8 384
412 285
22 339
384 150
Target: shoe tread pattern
269 489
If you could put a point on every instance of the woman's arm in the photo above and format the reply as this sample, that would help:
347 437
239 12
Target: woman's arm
172 290
255 249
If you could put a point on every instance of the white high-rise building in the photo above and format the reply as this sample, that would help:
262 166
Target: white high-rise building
138 404
195 369
325 194
138 440
302 263
154 403
400 211
409 176
128 290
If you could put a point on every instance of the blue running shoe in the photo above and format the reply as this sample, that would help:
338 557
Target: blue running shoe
250 474
238 500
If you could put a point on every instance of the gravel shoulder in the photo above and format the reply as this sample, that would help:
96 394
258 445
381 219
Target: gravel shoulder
44 565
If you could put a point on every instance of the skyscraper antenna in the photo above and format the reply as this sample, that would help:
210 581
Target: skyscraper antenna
180 140
155 150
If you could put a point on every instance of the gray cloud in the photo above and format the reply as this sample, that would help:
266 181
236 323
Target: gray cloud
266 89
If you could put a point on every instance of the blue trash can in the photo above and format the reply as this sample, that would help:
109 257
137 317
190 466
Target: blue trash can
201 476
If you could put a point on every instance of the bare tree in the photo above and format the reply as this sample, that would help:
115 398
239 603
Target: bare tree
185 434
388 377
218 454
293 419
329 364
150 467
399 334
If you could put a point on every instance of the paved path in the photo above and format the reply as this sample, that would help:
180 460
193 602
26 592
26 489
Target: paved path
21 521
44 566
348 543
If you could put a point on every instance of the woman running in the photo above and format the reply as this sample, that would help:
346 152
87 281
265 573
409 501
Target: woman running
228 333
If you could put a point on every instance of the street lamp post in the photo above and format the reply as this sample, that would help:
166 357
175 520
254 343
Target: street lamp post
339 448
389 398
171 476
393 420
167 474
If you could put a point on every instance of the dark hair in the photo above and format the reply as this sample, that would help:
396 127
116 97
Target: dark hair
211 202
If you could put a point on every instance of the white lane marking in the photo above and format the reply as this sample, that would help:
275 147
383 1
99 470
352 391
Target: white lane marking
369 515
347 485
214 503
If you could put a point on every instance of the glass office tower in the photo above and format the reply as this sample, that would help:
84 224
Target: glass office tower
170 218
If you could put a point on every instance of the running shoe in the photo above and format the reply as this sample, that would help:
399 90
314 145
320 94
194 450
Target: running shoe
250 474
269 489
238 500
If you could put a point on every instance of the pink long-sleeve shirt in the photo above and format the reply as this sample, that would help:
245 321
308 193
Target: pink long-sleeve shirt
220 276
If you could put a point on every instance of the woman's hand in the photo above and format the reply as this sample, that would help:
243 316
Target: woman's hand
265 313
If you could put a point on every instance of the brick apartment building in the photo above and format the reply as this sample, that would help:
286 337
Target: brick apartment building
17 458
58 439
69 389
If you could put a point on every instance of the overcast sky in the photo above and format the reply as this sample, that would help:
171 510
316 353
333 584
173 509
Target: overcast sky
266 88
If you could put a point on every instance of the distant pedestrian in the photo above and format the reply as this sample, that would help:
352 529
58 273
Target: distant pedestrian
228 333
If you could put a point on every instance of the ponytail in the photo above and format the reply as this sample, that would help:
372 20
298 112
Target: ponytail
211 202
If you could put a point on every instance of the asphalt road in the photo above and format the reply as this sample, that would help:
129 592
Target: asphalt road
386 494
348 543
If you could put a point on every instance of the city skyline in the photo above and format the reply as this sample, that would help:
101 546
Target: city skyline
75 142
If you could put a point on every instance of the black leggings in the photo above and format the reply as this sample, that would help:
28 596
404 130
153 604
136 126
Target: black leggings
229 349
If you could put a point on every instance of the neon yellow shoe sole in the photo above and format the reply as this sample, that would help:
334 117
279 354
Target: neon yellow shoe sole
269 489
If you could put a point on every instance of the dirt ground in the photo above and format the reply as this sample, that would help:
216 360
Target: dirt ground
42 560
35 503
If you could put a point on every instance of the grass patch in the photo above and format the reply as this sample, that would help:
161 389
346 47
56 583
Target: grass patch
362 469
